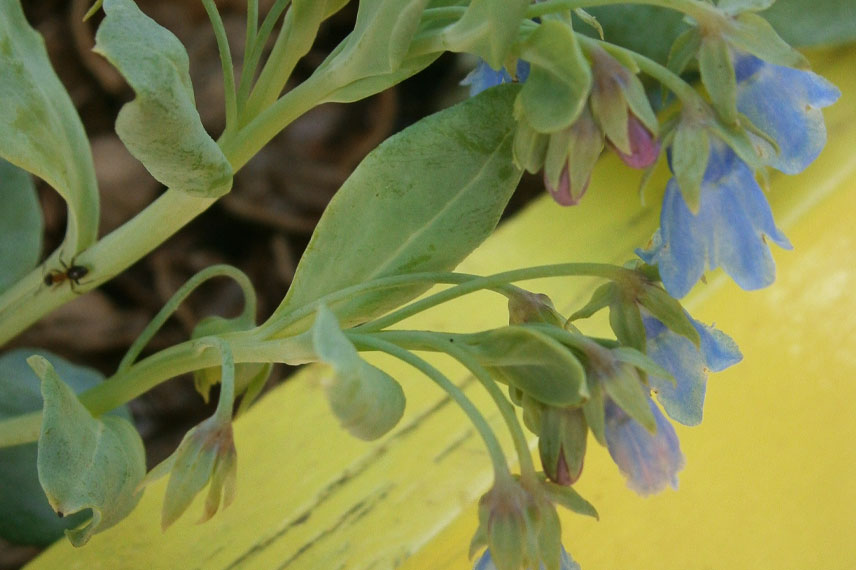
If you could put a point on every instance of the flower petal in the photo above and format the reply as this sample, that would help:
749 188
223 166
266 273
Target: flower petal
785 103
649 461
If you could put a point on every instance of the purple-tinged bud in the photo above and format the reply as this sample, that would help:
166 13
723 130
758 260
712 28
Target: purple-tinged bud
644 147
562 443
561 193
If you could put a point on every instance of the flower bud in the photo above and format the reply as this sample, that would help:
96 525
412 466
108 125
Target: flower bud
571 156
528 307
562 443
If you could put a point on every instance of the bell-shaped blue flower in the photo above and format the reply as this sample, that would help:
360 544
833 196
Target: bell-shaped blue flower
484 76
688 364
729 230
650 461
485 562
785 103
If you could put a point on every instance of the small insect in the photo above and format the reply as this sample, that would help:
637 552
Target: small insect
72 273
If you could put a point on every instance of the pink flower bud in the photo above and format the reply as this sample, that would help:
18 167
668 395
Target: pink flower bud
644 147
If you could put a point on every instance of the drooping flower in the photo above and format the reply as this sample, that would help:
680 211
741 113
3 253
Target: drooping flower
484 76
785 103
485 562
688 364
622 110
729 231
650 461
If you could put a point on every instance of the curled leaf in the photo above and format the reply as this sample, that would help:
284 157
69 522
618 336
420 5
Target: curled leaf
84 462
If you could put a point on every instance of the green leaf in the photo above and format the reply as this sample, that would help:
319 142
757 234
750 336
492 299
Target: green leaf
690 151
814 22
368 86
487 29
683 50
594 410
570 499
737 6
27 516
669 311
641 362
752 33
379 42
529 360
649 30
601 298
161 127
421 201
85 463
626 321
42 133
559 78
623 385
717 75
367 400
21 224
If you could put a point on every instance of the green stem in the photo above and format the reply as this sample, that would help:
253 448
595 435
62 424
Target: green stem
223 413
683 90
29 300
281 322
253 55
443 13
497 456
225 63
418 339
180 359
492 282
248 314
694 8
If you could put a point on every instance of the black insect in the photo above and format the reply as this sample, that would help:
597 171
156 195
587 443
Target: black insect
72 273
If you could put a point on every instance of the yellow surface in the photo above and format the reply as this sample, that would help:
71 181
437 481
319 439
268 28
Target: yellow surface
769 481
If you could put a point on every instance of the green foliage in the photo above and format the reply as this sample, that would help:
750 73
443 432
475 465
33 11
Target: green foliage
84 462
42 133
21 224
161 127
531 361
689 160
421 201
487 29
814 22
717 75
27 516
368 401
559 80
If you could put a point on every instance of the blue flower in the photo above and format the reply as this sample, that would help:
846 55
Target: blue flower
650 461
688 365
484 76
728 231
785 103
486 562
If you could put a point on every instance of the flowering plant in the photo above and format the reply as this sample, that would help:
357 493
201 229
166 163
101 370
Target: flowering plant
545 98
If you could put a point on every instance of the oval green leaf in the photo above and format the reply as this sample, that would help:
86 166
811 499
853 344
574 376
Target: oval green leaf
83 462
529 360
487 29
161 127
422 201
21 224
27 516
41 130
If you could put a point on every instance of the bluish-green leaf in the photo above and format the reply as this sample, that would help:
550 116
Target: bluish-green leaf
41 131
367 400
529 360
422 201
559 78
718 76
814 22
487 29
21 224
84 462
27 516
161 127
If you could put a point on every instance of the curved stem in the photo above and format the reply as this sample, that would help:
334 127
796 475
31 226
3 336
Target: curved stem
493 281
179 296
223 413
694 8
225 63
497 456
683 90
527 468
